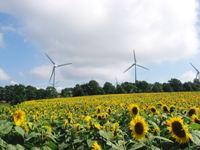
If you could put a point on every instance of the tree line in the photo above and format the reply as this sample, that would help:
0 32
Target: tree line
18 93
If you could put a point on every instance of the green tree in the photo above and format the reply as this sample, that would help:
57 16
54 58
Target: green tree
129 87
41 94
176 84
77 91
196 85
51 92
143 86
120 90
167 87
67 92
157 87
188 86
94 88
2 94
31 92
108 88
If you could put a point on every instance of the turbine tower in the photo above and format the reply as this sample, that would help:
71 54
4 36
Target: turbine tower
53 73
135 64
197 75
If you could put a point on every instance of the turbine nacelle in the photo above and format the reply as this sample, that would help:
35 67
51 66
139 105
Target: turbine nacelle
135 65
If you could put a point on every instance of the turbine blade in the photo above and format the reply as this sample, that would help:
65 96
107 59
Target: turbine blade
53 70
64 64
50 59
129 67
134 56
194 67
142 67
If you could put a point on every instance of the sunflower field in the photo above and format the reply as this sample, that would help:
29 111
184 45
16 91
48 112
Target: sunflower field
124 121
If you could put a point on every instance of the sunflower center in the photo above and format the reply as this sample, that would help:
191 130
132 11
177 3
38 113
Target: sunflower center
178 129
191 112
153 110
134 110
165 109
196 120
139 129
18 116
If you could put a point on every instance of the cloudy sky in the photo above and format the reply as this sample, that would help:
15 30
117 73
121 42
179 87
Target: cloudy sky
98 37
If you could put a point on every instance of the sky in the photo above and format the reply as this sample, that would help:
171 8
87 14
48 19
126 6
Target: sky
98 38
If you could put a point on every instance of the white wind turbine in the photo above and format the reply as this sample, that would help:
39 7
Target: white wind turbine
53 73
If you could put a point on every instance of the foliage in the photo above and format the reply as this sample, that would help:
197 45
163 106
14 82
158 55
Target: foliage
109 88
18 93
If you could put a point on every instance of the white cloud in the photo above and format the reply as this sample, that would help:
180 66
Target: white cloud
41 72
3 75
13 82
188 76
98 36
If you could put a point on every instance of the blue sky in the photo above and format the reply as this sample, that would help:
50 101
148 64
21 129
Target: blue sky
98 38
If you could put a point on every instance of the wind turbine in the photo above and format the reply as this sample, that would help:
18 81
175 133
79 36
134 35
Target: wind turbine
197 75
53 73
135 65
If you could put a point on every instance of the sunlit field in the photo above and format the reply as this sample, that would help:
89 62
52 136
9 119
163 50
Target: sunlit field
129 121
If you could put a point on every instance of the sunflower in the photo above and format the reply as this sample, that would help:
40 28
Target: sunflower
104 115
195 119
19 117
159 105
172 109
138 127
48 129
97 126
88 121
133 109
65 122
26 128
107 126
109 110
98 109
114 128
70 117
96 146
156 130
77 126
153 109
99 116
165 109
178 130
192 111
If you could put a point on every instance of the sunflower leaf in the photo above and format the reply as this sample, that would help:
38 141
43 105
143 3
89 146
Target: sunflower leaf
20 131
2 143
195 126
89 142
5 128
11 147
162 138
195 137
106 135
137 146
154 147
32 135
19 147
112 145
